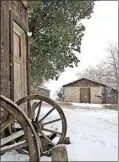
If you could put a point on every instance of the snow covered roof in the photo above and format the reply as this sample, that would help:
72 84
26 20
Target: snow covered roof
43 87
81 80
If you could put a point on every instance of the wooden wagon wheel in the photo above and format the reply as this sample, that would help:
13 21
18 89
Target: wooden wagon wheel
31 139
56 127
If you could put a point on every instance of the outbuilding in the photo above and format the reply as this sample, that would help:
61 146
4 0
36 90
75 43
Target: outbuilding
87 91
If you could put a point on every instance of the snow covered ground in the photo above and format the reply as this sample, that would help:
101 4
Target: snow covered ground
93 132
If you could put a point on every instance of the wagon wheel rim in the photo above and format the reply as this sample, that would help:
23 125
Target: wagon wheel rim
40 128
31 137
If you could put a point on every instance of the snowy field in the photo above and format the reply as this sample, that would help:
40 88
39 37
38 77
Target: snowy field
93 131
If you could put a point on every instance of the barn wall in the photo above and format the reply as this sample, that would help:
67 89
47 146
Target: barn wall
20 13
44 92
40 91
4 50
72 94
96 91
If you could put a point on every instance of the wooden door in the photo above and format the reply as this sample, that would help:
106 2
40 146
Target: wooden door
85 95
19 59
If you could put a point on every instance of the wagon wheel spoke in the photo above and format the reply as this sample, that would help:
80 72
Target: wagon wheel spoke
51 121
41 148
40 144
12 137
46 115
39 110
14 146
48 139
6 124
22 138
52 131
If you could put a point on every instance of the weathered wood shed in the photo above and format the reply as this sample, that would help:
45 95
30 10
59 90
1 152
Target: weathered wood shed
41 90
14 49
88 91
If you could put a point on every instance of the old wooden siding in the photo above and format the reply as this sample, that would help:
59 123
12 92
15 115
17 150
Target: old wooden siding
96 92
72 94
0 47
84 91
4 50
40 90
20 12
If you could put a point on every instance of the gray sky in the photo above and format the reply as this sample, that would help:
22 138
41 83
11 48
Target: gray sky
101 29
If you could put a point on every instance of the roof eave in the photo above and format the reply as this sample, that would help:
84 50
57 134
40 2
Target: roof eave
27 5
82 79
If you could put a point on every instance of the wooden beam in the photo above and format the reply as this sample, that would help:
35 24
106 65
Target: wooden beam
11 137
14 146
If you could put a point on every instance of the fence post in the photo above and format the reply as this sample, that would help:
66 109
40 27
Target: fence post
59 153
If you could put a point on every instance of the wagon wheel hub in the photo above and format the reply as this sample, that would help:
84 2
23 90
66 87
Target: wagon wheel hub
37 126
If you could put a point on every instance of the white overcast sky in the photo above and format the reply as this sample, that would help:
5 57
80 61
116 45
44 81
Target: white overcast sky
101 29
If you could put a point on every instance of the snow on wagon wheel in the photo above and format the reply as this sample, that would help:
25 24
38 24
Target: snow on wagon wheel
14 114
48 120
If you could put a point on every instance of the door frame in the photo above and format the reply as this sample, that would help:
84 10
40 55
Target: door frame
13 18
19 61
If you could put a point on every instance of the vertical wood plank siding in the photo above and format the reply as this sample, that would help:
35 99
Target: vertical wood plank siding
0 47
11 56
5 57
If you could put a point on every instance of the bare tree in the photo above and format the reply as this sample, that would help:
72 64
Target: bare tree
96 73
105 72
112 64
